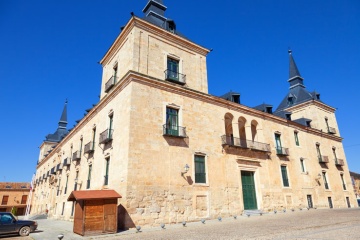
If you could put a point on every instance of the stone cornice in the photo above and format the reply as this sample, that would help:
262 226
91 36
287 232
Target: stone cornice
312 102
157 31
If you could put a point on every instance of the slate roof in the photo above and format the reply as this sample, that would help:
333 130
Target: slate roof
264 107
297 93
61 130
230 96
303 121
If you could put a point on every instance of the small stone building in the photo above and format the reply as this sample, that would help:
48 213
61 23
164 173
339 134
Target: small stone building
176 153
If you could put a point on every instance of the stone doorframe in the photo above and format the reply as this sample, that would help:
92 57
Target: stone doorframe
250 165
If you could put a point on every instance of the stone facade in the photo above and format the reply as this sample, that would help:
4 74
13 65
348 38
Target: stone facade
355 178
145 164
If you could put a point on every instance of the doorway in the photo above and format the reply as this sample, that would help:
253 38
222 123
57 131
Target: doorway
309 200
248 189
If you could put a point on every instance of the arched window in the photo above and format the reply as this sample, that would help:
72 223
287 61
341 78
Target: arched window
228 128
242 132
254 126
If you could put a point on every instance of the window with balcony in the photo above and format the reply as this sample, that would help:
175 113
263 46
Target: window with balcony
280 150
330 130
200 170
284 176
172 72
112 81
5 200
321 158
326 184
107 135
171 127
90 146
89 177
296 136
76 180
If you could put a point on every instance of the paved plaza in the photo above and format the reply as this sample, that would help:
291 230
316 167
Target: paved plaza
305 224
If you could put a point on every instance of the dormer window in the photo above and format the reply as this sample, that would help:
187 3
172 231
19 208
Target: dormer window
236 99
288 116
318 96
308 123
268 110
171 26
290 101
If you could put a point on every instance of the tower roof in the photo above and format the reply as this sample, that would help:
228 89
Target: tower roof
297 92
61 131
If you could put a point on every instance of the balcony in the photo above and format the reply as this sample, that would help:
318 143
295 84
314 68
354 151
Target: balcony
66 162
106 136
89 147
323 159
282 151
110 83
339 162
76 156
175 77
331 130
59 167
243 143
53 172
174 131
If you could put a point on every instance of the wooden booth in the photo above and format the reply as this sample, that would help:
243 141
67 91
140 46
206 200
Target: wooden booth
95 211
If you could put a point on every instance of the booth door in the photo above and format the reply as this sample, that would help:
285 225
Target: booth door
110 220
94 216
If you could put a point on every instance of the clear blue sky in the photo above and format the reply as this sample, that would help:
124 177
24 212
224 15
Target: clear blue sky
49 52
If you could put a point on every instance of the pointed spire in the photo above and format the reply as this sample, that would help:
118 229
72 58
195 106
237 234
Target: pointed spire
63 119
293 70
295 78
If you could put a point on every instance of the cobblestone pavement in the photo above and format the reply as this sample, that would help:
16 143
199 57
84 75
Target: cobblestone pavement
312 224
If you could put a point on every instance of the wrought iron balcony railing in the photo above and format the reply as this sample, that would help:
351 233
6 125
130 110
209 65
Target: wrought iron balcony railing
76 156
282 151
89 147
110 83
323 159
59 167
243 143
331 130
174 131
339 162
106 136
175 77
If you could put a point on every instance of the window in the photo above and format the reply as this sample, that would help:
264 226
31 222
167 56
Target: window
290 101
318 152
80 149
343 182
327 124
93 138
24 199
200 171
278 144
76 180
296 138
72 208
5 200
115 73
89 177
335 157
66 184
106 177
325 180
302 165
284 176
63 207
172 69
111 119
172 121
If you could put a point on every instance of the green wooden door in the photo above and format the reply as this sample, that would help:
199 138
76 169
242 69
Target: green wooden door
248 188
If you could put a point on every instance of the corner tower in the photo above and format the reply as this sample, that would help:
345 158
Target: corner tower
306 107
153 46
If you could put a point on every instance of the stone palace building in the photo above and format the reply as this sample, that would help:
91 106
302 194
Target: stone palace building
176 153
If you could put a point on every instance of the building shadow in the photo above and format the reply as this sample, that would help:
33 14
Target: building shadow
124 220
